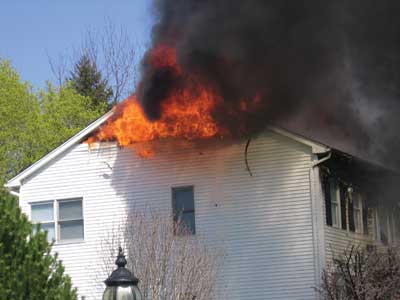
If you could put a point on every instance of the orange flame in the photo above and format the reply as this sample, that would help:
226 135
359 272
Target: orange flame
187 113
186 118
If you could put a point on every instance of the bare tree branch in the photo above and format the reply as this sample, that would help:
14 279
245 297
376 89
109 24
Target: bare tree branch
363 275
116 54
170 266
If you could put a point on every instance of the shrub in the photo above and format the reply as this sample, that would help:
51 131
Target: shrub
359 274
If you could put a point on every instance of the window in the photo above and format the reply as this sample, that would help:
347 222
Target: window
396 223
43 213
335 203
70 220
62 219
183 209
383 226
345 208
386 224
358 213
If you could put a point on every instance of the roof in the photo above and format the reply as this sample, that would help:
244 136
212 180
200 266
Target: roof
16 182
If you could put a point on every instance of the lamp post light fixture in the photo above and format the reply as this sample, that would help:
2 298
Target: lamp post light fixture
122 284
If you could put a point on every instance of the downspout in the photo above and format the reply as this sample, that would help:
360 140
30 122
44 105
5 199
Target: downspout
14 193
318 162
12 190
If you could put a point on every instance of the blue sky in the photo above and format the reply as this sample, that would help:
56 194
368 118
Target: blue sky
32 30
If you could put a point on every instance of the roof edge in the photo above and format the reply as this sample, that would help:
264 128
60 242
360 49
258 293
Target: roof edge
16 181
316 147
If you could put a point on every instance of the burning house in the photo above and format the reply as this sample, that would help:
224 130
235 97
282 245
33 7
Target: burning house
217 77
280 204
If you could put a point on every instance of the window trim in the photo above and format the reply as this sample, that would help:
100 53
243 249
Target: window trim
337 222
348 212
174 189
357 198
44 222
69 220
56 219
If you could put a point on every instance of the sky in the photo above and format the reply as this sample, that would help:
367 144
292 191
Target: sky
33 31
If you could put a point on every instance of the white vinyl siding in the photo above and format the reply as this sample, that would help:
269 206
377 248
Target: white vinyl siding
264 221
337 240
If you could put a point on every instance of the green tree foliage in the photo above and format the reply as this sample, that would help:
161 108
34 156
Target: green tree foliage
28 270
19 118
64 113
32 125
87 80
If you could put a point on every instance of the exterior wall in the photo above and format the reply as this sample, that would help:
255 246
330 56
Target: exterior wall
264 222
337 240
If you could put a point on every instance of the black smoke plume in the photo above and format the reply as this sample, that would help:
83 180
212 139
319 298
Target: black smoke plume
326 68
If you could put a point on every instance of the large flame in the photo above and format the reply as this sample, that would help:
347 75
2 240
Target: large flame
185 113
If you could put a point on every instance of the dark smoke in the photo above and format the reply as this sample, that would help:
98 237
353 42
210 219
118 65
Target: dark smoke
326 68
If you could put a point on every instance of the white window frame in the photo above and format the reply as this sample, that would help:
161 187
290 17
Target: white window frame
46 222
336 222
56 218
377 229
57 203
389 221
358 227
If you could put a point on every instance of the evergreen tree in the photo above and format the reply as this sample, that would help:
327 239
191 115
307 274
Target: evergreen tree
87 80
28 270
64 113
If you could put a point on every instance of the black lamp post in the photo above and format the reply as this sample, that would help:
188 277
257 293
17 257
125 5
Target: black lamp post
122 284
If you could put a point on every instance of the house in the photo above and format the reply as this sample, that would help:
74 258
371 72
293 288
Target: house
281 224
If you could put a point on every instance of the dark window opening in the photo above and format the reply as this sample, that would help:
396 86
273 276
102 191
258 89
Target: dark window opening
183 210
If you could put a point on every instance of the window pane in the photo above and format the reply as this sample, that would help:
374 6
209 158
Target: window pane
334 209
183 199
42 212
71 230
333 187
357 201
49 227
186 220
357 219
383 227
69 210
